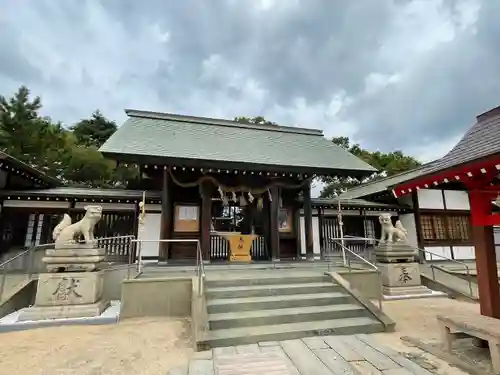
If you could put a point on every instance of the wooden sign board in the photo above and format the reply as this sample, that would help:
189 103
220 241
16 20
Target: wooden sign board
186 218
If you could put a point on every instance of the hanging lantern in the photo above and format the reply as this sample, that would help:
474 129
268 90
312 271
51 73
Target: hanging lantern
281 202
234 197
270 196
250 197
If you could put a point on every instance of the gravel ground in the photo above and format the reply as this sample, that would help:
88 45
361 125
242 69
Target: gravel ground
135 346
417 318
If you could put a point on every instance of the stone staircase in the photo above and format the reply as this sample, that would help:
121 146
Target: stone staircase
281 306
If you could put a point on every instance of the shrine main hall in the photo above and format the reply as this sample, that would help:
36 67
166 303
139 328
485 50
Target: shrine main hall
220 178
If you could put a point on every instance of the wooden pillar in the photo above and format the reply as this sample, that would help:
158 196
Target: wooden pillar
296 221
486 265
308 228
206 219
418 226
273 223
166 215
321 232
486 262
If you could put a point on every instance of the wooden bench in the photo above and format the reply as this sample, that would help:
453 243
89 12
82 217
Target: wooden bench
472 325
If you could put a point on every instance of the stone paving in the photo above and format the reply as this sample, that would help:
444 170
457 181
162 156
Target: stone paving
327 355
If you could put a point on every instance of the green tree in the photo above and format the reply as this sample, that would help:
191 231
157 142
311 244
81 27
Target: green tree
94 131
29 137
254 120
387 164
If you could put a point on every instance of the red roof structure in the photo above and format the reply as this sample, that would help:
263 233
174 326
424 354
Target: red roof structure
472 165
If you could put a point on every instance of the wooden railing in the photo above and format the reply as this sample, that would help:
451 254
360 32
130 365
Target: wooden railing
118 249
359 247
219 248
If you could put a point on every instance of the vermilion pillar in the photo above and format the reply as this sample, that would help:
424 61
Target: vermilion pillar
486 262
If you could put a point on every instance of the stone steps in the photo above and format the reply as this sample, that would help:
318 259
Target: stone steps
289 331
265 290
284 305
285 315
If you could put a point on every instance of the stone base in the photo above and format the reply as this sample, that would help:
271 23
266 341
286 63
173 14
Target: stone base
395 253
405 290
74 258
400 274
69 288
59 312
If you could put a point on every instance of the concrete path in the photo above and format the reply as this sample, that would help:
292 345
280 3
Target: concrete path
326 355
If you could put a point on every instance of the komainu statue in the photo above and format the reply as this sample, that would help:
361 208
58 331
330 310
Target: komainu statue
66 233
391 233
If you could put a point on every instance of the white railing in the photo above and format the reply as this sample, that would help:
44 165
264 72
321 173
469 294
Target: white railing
346 249
200 269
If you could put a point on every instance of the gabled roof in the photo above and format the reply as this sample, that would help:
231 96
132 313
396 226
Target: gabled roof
476 153
383 184
356 204
480 142
186 139
24 170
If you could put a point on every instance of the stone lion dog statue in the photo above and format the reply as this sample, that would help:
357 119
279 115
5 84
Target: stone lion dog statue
391 233
66 233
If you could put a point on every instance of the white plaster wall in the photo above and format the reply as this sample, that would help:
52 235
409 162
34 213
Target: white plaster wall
107 206
464 252
316 244
456 200
408 221
35 204
150 231
437 250
432 199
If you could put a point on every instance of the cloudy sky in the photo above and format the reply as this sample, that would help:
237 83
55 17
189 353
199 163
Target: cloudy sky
391 74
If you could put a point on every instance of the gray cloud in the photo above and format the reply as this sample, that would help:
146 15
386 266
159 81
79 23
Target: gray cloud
391 74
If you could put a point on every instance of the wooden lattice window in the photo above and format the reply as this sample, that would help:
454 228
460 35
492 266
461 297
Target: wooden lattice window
439 227
459 227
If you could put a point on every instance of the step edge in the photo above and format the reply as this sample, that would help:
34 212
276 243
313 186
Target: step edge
219 316
236 301
365 321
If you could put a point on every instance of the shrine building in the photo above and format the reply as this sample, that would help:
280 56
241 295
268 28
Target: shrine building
218 177
455 201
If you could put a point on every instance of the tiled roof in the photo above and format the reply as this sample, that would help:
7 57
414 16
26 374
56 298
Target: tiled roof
22 166
83 193
181 138
361 203
382 184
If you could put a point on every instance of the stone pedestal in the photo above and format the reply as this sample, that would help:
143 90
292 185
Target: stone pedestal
74 258
400 273
67 295
73 287
395 253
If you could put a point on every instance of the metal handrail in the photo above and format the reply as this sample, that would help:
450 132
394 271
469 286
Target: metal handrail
344 248
31 252
200 268
29 273
432 266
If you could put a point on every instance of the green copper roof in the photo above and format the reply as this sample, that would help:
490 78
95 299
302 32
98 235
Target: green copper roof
161 137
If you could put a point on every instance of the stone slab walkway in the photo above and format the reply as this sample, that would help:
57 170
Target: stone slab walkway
326 355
